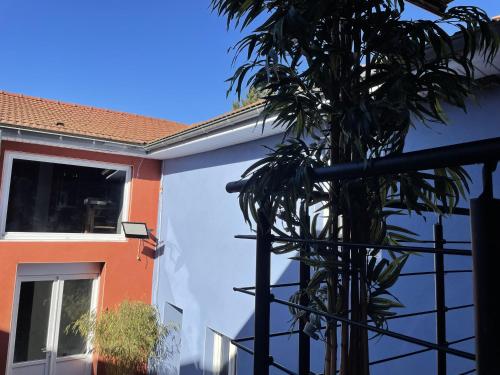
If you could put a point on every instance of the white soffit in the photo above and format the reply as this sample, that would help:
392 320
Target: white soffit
240 133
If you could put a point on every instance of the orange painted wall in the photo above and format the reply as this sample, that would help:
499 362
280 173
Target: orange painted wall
123 276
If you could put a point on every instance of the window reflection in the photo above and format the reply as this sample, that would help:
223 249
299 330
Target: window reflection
32 321
51 197
75 303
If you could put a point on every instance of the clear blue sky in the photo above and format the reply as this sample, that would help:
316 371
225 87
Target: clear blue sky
161 58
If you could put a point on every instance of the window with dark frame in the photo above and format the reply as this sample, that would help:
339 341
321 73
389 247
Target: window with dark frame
63 198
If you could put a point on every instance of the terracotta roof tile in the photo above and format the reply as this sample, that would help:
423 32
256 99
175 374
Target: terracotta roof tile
64 118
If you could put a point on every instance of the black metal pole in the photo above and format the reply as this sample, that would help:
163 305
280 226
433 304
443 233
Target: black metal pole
460 154
304 277
485 226
262 296
440 296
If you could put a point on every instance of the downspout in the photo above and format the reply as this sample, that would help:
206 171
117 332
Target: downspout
1 167
161 243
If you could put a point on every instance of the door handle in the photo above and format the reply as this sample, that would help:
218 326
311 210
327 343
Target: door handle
46 351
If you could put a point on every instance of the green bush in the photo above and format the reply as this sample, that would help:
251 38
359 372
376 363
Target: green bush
126 338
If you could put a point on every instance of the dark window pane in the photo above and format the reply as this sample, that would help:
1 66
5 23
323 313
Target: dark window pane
75 303
50 197
32 321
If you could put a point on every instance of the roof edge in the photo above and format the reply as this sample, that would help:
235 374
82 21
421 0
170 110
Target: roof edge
36 136
218 123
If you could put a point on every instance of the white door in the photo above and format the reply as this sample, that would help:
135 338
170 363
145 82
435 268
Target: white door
44 307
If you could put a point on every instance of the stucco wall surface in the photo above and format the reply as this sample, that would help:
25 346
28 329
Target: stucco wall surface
127 265
201 261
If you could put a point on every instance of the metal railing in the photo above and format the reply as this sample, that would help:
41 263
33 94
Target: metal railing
485 254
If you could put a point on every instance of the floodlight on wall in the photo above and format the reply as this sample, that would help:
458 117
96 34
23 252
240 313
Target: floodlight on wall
137 230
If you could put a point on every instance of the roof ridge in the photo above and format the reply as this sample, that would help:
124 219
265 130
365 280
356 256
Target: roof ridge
90 107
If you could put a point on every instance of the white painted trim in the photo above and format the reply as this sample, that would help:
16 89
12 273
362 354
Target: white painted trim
71 357
159 235
9 157
61 237
217 360
241 133
62 270
240 130
37 136
55 321
233 359
221 359
56 273
31 363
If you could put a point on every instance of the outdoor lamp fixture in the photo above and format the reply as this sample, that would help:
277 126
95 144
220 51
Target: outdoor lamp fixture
138 230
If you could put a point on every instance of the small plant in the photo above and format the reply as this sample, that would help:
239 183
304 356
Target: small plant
127 338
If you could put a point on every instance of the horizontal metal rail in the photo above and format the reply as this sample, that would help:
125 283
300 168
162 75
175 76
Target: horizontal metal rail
400 316
460 211
236 342
423 273
389 359
427 312
409 354
432 272
276 334
283 285
272 362
485 152
440 157
399 336
242 347
247 290
432 241
351 245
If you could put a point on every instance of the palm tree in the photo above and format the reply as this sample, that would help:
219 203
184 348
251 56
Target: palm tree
347 79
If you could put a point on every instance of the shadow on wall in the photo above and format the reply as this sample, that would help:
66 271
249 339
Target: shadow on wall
148 250
245 153
416 293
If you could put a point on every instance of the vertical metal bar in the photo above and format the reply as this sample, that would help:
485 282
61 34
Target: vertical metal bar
304 277
262 296
485 226
440 296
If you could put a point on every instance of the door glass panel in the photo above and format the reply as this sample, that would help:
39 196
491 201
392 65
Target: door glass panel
32 321
75 302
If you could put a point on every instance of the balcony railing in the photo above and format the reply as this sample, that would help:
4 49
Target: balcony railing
485 253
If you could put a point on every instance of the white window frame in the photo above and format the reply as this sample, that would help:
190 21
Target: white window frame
218 356
57 273
9 157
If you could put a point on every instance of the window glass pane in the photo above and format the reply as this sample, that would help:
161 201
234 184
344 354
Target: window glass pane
76 302
32 321
50 197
